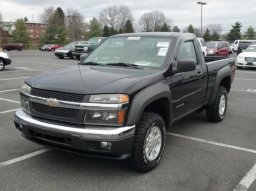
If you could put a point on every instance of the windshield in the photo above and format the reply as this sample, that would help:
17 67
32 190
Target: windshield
128 51
73 44
251 49
211 44
94 40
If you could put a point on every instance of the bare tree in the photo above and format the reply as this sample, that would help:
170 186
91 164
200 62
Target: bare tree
1 17
153 21
47 14
115 17
75 24
215 28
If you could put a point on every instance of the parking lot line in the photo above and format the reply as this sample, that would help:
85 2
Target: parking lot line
24 70
10 90
24 157
247 91
6 79
8 111
245 79
212 143
42 63
9 100
247 180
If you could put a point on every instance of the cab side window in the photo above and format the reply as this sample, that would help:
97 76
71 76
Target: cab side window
187 51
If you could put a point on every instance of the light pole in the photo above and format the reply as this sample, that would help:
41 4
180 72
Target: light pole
201 3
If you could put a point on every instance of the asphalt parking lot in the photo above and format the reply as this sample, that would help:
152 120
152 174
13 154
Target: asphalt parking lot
199 156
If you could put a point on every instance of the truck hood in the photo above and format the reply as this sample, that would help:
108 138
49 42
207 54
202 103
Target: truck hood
96 79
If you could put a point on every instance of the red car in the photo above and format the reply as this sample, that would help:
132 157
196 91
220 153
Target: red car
53 47
217 48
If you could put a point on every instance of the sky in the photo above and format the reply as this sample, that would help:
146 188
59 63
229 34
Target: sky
181 12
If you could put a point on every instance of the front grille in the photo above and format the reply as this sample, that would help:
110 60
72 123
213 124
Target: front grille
250 59
58 95
55 111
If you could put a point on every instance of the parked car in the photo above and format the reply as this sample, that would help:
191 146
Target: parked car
4 60
237 42
87 48
53 47
243 44
44 47
229 47
68 50
203 46
217 48
247 59
120 101
13 46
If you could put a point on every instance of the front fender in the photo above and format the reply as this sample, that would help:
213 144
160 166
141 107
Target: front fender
142 99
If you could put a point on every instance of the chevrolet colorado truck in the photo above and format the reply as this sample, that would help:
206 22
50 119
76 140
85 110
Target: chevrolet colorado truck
85 49
119 101
4 60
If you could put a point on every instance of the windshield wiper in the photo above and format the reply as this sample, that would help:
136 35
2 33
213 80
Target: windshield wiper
92 64
122 64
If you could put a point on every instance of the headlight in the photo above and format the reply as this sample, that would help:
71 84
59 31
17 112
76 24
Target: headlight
240 57
85 48
25 88
109 98
107 116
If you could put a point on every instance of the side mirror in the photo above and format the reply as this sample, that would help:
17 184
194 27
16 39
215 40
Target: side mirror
186 65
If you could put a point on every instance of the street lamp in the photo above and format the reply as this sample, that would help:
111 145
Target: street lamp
201 3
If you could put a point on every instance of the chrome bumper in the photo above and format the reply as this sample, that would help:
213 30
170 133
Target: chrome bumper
88 132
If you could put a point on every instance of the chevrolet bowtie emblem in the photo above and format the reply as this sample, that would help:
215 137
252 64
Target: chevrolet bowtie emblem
52 102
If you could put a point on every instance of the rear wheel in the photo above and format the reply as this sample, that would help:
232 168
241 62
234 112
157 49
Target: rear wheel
149 142
216 112
2 64
61 57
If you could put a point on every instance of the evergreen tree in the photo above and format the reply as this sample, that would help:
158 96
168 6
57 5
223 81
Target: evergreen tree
250 33
190 29
235 32
128 28
165 28
215 36
106 31
95 29
25 19
175 29
56 30
207 35
20 34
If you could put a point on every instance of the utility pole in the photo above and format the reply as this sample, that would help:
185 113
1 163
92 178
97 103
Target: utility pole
201 3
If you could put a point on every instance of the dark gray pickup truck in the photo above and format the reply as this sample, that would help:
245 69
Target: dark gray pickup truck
119 101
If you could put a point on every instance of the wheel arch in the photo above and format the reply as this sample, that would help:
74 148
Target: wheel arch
156 98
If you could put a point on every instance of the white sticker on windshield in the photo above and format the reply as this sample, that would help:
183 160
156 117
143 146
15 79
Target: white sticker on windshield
133 38
162 51
163 44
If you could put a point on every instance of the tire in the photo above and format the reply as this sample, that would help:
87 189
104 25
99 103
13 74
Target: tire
61 57
78 57
151 124
216 112
2 64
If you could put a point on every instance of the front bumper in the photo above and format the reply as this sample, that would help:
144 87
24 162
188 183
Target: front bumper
87 139
245 64
62 54
8 61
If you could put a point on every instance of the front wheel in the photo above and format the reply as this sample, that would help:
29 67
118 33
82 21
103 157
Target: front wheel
149 142
2 64
216 112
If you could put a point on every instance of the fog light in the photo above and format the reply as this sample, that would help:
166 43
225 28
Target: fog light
105 145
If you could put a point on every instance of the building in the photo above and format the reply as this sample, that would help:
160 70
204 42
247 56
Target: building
35 31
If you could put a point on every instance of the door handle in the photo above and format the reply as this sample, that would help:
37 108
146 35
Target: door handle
199 74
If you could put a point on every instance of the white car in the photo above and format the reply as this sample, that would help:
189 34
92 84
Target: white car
247 59
203 46
4 60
